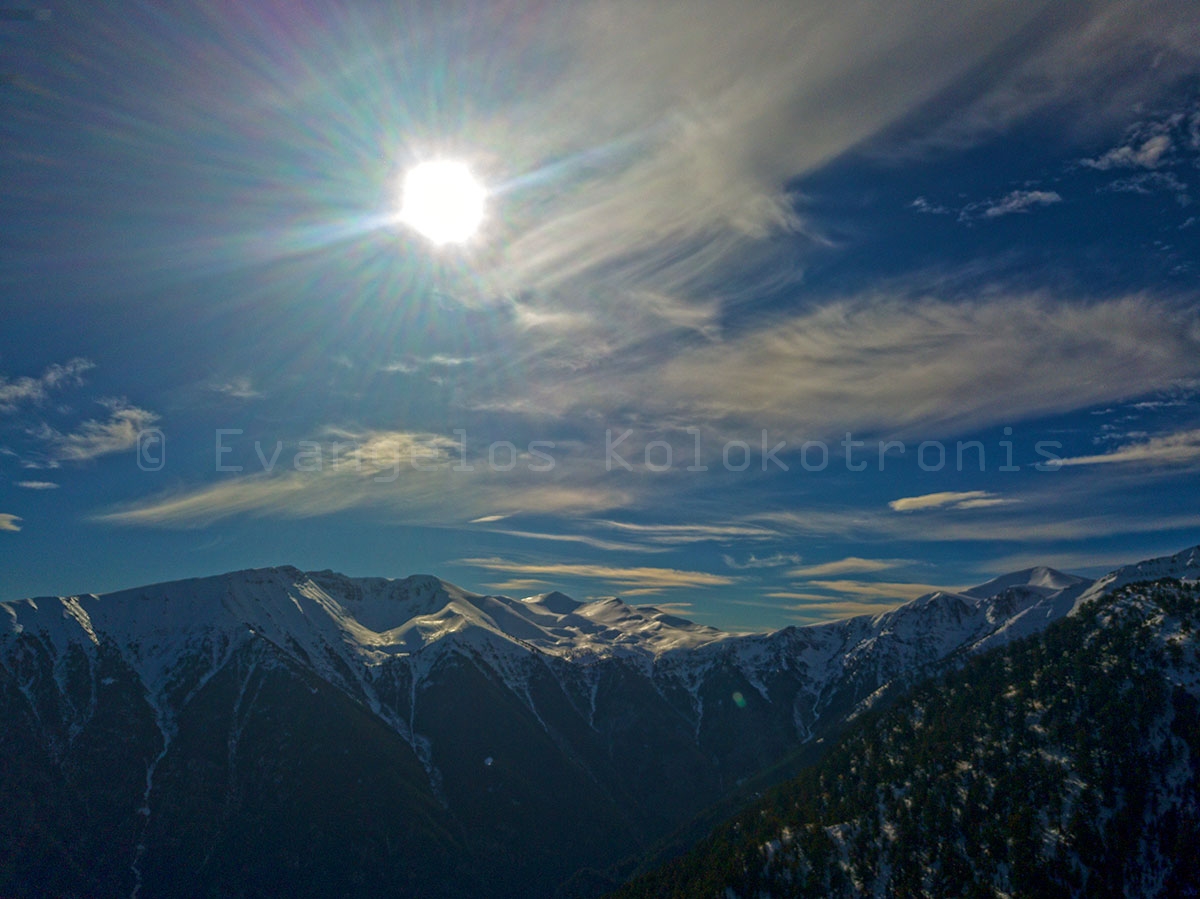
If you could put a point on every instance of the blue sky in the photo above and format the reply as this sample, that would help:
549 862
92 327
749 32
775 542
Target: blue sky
750 284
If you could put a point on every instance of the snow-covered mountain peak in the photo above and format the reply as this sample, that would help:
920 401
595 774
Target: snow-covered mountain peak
554 602
1041 577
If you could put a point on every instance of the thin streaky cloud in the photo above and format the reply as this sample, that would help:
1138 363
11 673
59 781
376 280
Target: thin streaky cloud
1020 201
778 560
786 594
909 367
519 585
821 608
8 522
848 565
38 485
375 470
1067 561
690 533
942 500
718 111
1034 526
240 388
95 438
985 502
585 540
885 590
637 577
1182 448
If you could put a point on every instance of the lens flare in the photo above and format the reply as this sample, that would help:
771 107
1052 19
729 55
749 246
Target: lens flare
443 201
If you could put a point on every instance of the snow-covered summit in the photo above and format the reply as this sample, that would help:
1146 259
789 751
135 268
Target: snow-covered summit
1040 577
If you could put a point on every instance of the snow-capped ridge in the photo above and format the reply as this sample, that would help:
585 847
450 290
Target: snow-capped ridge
1183 565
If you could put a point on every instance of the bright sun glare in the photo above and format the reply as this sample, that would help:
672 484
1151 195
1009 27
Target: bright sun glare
443 201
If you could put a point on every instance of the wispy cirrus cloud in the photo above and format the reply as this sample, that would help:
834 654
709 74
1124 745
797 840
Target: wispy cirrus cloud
970 499
1015 201
15 392
638 577
1182 448
95 438
520 585
419 477
775 560
583 539
905 365
1148 182
239 388
848 565
679 534
718 110
922 205
8 522
38 485
877 590
1034 520
815 608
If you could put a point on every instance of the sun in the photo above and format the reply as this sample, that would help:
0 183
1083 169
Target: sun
443 201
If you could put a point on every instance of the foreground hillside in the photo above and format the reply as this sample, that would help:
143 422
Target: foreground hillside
1065 764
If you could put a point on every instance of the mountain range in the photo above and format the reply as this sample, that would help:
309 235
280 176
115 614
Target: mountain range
1066 764
277 731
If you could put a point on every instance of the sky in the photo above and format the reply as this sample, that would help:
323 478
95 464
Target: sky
778 313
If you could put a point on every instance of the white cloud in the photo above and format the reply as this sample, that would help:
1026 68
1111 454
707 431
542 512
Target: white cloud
777 560
881 590
1020 201
26 390
636 577
690 533
1149 154
119 432
984 502
922 205
410 364
583 539
520 585
674 127
942 500
1035 525
415 476
913 367
8 522
849 565
239 388
38 485
1148 182
1182 448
